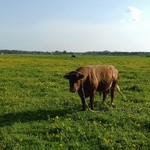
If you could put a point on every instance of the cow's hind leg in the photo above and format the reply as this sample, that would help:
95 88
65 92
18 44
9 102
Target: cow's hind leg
112 98
112 94
83 104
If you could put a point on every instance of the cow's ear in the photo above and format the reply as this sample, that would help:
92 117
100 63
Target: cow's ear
80 76
66 76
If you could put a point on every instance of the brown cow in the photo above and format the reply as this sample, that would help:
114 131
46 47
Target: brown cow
89 79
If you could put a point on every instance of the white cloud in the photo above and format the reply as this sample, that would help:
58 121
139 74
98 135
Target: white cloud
134 13
131 15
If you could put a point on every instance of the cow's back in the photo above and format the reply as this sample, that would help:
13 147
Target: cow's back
99 77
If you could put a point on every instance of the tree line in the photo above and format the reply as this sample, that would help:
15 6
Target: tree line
106 52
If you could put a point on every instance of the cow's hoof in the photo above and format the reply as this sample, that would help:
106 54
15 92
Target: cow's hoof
113 105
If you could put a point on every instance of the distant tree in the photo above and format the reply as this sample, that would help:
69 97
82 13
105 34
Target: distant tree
64 52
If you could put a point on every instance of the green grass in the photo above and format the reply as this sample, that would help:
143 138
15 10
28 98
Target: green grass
37 111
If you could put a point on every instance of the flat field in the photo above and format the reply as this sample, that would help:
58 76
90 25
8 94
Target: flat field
37 111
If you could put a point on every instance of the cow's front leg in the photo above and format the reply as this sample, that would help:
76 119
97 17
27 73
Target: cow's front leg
82 96
104 97
83 103
92 103
92 100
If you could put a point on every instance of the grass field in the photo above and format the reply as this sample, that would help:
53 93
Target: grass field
37 111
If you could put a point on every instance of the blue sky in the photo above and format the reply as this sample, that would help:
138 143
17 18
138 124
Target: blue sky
75 25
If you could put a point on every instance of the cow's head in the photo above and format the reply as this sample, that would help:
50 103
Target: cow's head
74 78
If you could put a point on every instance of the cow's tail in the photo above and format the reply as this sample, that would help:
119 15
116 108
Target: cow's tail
118 89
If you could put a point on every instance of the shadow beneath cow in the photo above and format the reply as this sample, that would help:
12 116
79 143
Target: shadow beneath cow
29 116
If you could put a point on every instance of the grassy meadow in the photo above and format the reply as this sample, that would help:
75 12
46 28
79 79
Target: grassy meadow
38 112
